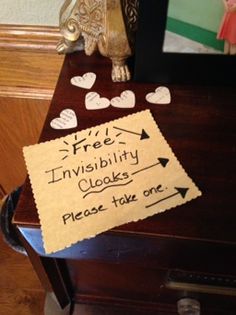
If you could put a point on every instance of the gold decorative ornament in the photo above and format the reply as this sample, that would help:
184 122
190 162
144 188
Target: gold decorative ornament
108 26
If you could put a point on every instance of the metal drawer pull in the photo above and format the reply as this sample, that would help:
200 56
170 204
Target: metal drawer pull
188 306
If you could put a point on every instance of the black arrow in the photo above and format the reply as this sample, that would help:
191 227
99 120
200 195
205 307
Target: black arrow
143 135
180 191
162 161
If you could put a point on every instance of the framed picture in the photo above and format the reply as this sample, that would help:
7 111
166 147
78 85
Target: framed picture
178 41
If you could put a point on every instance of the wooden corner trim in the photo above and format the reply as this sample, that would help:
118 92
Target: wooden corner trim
29 37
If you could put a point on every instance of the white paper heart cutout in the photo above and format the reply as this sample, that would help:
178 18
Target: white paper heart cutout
84 82
67 120
160 96
93 101
125 100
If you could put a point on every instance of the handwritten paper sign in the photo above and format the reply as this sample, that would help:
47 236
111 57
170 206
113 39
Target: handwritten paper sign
99 178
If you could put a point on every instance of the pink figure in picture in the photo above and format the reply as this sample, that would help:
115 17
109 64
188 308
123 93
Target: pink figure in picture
227 30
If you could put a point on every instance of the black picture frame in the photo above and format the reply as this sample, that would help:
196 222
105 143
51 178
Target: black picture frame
154 65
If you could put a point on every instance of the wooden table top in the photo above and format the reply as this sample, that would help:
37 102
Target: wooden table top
200 127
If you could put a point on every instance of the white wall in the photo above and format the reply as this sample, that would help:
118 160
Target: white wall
30 12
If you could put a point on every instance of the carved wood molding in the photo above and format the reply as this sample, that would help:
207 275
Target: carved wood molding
29 63
29 37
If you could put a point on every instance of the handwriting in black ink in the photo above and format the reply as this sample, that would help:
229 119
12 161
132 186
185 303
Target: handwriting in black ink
125 199
72 216
161 161
180 191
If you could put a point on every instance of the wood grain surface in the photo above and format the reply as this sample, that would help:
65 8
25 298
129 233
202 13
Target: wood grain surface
27 82
21 121
31 74
20 290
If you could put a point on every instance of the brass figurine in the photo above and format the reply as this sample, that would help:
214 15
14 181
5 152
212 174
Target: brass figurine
106 25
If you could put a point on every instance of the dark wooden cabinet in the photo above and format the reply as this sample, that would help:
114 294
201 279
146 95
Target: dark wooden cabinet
189 251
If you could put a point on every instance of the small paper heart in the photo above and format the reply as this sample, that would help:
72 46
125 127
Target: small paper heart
125 100
67 120
160 96
84 82
93 101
